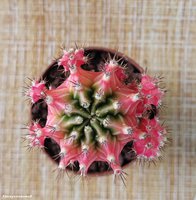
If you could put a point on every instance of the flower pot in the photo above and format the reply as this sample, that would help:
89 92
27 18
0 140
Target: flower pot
54 76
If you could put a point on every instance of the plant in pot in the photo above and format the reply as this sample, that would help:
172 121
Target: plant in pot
94 110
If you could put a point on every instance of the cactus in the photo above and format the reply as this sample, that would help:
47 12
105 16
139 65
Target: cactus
96 111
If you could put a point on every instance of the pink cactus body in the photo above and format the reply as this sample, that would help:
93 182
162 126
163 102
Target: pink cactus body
92 115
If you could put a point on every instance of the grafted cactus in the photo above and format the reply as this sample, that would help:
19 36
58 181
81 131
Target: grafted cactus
95 110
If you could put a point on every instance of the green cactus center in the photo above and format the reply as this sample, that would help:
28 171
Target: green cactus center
87 119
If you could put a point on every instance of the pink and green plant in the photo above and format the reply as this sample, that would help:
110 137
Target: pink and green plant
93 114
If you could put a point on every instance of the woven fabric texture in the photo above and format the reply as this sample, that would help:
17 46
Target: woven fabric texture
158 34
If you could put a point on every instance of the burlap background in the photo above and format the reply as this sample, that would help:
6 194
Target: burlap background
158 34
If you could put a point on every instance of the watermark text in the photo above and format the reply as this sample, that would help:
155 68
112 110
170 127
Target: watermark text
6 196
